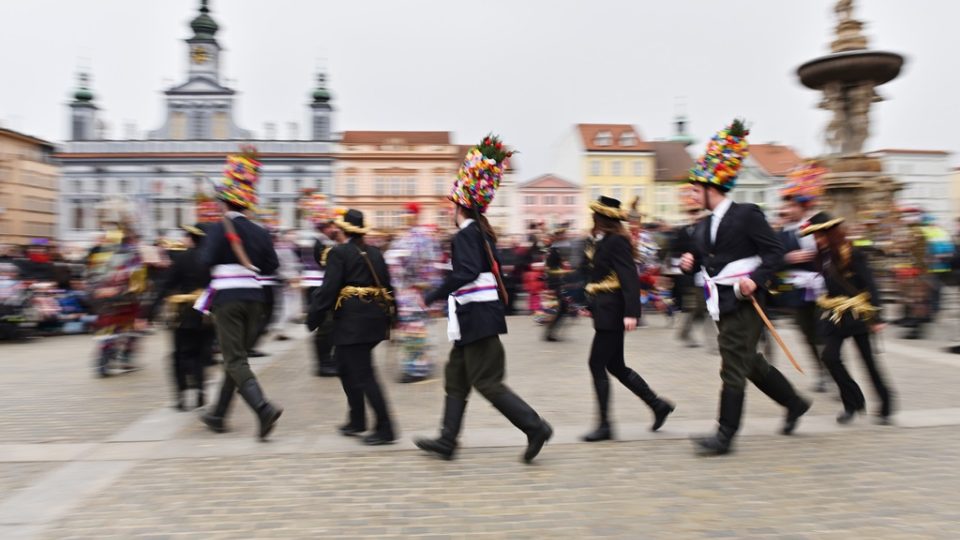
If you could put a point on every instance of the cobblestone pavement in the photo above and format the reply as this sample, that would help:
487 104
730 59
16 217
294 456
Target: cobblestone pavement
82 457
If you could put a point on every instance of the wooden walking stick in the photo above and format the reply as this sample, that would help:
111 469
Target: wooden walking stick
773 331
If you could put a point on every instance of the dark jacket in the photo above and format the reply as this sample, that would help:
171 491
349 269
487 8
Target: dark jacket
787 296
259 247
856 279
478 320
358 320
743 232
186 275
613 254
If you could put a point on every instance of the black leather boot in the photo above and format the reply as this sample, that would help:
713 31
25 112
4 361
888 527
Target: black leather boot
661 408
526 419
603 432
266 411
215 419
779 389
731 409
446 445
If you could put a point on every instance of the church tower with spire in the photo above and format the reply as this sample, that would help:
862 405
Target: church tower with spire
202 107
83 111
321 110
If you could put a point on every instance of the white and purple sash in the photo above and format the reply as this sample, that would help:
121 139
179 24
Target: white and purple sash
482 289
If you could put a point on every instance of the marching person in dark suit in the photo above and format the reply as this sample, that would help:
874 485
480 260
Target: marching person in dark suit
799 280
475 298
557 273
238 252
851 309
356 286
193 335
314 270
614 292
737 253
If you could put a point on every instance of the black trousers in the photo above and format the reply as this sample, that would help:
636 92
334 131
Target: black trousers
192 352
322 344
562 306
359 380
237 324
481 365
606 356
739 334
272 298
850 393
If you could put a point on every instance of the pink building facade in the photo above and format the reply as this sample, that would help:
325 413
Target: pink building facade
550 200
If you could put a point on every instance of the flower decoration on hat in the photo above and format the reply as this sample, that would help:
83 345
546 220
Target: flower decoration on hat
804 183
316 207
724 157
240 175
480 174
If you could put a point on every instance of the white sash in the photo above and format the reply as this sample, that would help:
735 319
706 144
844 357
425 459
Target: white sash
730 275
483 289
312 278
223 277
811 282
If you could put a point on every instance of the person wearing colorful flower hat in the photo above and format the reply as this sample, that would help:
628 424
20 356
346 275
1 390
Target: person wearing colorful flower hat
476 297
356 287
799 282
413 258
851 307
237 253
613 290
736 253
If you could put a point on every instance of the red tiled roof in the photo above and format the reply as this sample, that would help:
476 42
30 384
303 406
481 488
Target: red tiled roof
396 137
589 132
673 161
775 159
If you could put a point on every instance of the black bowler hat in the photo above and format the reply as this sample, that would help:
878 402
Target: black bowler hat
352 222
609 207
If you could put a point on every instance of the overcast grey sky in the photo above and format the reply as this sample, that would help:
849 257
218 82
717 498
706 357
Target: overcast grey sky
528 69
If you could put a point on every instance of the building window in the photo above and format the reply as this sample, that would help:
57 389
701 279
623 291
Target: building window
530 200
603 138
616 168
595 168
78 217
440 185
628 139
616 192
351 187
640 192
594 193
101 185
638 169
297 185
178 126
158 216
411 186
276 185
549 200
198 125
77 186
178 216
569 200
122 185
220 126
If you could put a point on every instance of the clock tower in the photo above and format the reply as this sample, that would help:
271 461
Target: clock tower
203 49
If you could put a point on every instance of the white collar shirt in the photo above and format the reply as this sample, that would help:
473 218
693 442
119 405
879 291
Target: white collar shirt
718 213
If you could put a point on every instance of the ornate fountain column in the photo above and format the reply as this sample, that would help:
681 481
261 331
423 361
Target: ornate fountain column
848 78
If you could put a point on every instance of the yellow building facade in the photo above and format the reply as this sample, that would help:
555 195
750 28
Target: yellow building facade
28 188
617 163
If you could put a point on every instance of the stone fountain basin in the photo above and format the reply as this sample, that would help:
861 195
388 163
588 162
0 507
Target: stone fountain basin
852 67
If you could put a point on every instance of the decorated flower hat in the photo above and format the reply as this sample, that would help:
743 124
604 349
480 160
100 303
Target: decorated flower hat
721 163
240 176
804 183
480 174
316 208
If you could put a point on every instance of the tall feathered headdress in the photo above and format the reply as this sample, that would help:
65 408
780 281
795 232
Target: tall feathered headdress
480 174
240 175
721 163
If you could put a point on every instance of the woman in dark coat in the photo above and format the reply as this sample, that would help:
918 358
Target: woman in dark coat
613 291
851 308
362 302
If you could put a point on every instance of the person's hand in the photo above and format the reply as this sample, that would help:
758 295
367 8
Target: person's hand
686 262
879 327
799 256
629 324
747 287
313 320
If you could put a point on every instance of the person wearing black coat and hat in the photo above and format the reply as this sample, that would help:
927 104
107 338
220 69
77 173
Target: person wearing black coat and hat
851 308
475 298
736 252
357 288
238 252
613 290
193 334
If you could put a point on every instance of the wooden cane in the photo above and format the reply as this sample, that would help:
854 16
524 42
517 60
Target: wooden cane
776 335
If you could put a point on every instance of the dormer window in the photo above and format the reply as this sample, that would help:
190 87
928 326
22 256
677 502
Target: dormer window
603 138
628 139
